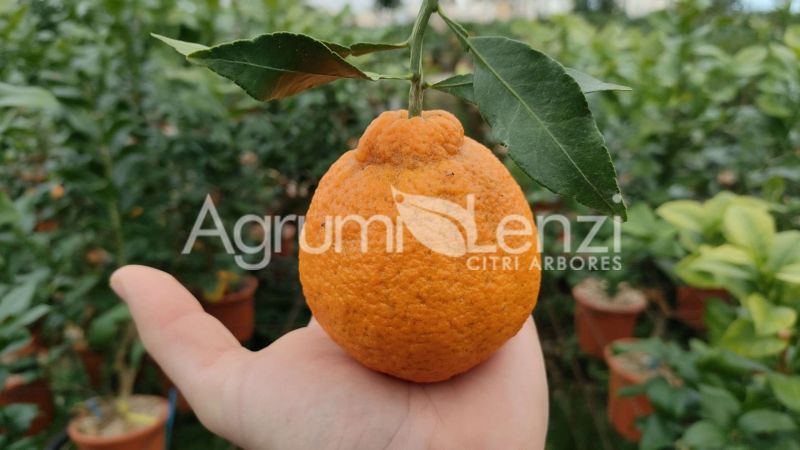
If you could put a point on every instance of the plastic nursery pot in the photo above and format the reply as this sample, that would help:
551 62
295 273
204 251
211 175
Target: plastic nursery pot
150 437
691 304
37 392
236 310
599 322
623 411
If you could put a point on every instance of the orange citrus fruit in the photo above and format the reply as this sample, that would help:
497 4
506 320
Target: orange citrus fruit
407 294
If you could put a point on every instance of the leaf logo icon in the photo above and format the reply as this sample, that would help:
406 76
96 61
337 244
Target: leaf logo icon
431 222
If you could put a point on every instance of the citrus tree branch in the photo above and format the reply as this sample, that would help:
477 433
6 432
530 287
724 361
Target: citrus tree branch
415 95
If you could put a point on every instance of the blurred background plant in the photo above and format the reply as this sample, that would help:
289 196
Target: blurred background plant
110 145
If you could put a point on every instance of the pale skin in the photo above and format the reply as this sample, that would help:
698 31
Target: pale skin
304 392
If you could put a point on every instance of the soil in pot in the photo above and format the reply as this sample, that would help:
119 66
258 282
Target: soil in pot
691 304
37 392
138 425
236 310
601 318
628 369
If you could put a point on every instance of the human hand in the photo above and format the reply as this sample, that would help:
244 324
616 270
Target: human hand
304 392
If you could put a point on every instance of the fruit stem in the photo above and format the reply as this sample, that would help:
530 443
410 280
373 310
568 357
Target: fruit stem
415 94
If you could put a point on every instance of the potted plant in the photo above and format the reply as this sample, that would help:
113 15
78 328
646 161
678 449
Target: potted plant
22 378
719 400
125 420
760 267
601 317
226 291
627 369
699 225
231 301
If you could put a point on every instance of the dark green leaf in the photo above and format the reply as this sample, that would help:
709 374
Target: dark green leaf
459 30
30 97
704 435
18 417
273 66
30 316
362 48
786 389
718 316
671 401
542 116
461 85
766 421
106 326
17 300
657 433
591 84
718 405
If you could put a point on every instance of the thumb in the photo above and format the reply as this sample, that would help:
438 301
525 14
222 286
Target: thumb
194 349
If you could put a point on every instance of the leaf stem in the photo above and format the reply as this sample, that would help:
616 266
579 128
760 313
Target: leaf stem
415 94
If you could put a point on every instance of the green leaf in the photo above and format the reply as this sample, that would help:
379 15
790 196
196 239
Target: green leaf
30 316
684 215
741 338
458 29
30 97
17 300
363 48
786 389
458 85
689 274
183 47
8 211
704 435
790 273
718 405
725 262
539 112
766 421
769 319
657 433
749 228
718 316
273 66
591 84
792 37
19 416
672 401
103 329
461 85
785 249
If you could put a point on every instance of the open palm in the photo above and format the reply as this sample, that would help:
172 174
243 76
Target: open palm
304 392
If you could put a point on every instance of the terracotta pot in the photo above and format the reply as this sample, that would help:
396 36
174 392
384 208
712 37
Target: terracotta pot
598 324
36 392
92 363
691 304
623 411
44 226
236 310
151 437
